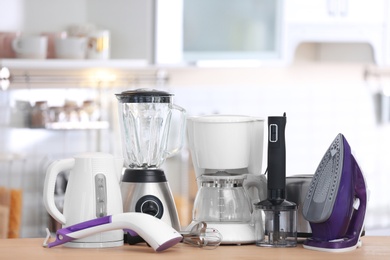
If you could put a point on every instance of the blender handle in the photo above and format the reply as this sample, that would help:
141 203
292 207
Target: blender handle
175 150
48 189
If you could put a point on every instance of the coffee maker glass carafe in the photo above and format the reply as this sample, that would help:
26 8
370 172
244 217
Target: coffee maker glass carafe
222 198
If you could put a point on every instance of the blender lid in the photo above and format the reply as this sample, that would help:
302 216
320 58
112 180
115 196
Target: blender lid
144 96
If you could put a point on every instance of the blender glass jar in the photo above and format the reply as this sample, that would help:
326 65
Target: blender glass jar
145 119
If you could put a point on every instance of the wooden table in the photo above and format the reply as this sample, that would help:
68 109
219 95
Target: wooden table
31 248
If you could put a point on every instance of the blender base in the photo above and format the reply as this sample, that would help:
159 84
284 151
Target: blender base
147 191
232 233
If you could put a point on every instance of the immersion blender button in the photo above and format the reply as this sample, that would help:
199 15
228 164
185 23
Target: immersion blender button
273 133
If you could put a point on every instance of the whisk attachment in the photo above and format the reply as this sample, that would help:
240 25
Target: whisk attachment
202 236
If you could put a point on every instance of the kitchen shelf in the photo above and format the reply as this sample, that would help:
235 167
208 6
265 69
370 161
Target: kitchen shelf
22 73
49 64
97 125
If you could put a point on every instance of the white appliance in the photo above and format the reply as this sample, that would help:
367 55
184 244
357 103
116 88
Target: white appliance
146 127
227 154
92 192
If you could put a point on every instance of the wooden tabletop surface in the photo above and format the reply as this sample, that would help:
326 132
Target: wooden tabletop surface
31 248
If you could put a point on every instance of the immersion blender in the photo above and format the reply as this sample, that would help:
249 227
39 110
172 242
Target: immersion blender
279 226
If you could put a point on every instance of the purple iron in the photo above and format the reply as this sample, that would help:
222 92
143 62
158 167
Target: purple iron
335 203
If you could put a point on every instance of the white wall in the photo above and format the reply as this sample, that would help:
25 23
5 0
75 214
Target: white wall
321 100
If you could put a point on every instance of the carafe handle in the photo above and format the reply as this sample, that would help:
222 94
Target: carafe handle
180 141
48 190
260 183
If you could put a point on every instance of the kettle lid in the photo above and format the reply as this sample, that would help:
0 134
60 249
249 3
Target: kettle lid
144 96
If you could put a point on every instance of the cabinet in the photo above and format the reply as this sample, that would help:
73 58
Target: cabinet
347 21
335 12
130 22
187 31
197 30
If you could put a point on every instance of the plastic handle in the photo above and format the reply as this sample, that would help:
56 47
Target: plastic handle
276 157
180 143
48 191
260 183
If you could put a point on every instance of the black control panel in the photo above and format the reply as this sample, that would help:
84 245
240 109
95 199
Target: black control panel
151 205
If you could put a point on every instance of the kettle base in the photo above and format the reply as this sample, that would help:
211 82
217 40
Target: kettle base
108 244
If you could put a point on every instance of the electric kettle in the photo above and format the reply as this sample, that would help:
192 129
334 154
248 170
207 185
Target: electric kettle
92 191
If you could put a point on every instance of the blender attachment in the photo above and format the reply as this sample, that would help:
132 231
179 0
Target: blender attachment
335 204
279 227
202 236
145 120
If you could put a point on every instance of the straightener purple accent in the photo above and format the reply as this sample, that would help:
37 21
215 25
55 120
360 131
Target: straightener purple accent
62 234
131 232
61 238
89 223
169 243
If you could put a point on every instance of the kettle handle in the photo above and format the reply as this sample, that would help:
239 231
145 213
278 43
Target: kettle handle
48 189
180 144
260 183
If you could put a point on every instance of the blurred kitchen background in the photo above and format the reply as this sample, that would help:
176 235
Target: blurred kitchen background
323 62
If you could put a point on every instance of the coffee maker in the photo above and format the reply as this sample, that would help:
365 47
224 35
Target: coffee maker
145 120
227 154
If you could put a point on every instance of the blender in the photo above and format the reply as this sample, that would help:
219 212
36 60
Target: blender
145 120
279 226
227 155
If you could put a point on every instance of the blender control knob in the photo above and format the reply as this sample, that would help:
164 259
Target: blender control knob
151 205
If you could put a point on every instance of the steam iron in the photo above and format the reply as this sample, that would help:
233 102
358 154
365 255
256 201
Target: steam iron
335 203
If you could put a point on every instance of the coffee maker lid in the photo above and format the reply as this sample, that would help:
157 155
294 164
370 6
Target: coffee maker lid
144 96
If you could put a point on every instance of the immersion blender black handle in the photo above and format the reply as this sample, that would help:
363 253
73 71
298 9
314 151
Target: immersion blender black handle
276 158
